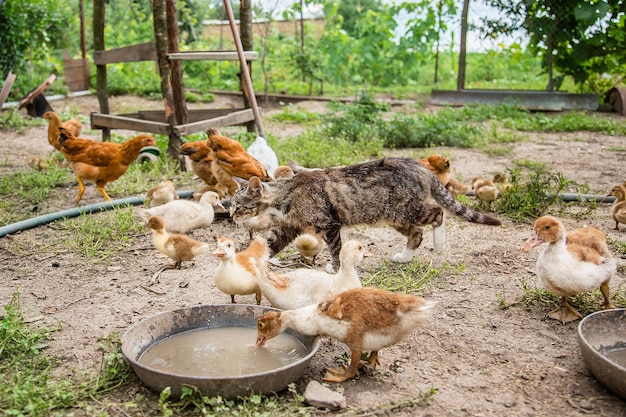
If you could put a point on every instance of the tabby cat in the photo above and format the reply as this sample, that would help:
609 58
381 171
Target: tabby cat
394 191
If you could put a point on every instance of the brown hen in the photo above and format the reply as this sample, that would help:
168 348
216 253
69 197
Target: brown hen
233 158
100 162
54 122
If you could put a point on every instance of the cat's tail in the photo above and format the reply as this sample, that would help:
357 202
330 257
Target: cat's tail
446 199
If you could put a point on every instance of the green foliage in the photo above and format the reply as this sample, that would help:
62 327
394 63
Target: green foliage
29 387
534 191
567 122
30 30
34 186
292 115
355 122
291 403
98 236
410 278
578 37
15 121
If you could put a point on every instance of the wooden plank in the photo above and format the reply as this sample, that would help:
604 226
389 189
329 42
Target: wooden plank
134 53
194 115
110 121
213 56
231 119
6 88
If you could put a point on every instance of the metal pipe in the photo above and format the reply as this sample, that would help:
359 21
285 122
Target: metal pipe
75 212
569 197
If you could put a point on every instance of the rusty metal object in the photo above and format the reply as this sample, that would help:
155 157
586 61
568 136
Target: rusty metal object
147 332
616 98
602 339
528 99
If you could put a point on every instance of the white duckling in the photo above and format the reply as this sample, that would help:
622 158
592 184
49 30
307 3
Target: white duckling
304 286
262 152
618 209
162 193
178 247
238 273
181 216
485 190
365 319
572 263
309 245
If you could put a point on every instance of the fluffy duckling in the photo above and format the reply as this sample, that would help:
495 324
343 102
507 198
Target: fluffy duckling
572 263
309 245
239 273
178 247
162 193
282 172
365 319
456 187
439 165
501 181
181 216
304 286
485 190
618 209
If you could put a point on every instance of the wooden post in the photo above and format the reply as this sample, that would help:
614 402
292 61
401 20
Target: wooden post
101 70
160 40
173 46
245 30
460 82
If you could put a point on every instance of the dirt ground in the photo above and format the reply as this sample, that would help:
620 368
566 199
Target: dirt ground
481 359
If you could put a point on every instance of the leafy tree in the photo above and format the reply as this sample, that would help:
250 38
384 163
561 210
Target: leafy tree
30 30
577 37
352 10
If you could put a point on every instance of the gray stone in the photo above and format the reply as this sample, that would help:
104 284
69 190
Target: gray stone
319 396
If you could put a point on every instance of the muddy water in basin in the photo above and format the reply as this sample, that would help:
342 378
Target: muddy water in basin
221 352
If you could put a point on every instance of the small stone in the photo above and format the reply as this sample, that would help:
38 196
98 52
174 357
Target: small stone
586 405
319 396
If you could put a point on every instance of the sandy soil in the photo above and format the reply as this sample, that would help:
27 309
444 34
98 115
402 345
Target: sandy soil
481 359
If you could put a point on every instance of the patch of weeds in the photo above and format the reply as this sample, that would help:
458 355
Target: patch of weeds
34 186
567 122
15 121
29 387
98 236
533 190
140 177
291 114
585 303
408 278
617 246
354 122
313 149
291 403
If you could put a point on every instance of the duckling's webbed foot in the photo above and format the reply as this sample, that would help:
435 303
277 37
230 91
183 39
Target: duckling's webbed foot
565 314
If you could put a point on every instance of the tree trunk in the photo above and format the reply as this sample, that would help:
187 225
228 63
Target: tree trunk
460 82
173 46
245 33
160 39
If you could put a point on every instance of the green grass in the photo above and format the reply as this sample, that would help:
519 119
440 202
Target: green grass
98 236
29 386
33 187
411 278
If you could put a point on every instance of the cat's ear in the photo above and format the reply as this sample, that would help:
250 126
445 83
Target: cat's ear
254 183
242 183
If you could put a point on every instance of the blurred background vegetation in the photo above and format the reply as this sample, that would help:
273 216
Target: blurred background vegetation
349 46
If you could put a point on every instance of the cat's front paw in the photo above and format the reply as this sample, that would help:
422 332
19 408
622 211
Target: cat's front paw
403 258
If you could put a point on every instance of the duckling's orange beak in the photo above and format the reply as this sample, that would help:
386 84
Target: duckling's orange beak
533 241
219 253
260 341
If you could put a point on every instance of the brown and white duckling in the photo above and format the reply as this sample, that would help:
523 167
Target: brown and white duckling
365 319
618 209
282 172
305 286
238 273
162 193
572 263
178 247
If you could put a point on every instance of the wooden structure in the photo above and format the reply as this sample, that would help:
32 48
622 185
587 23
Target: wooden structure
175 120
